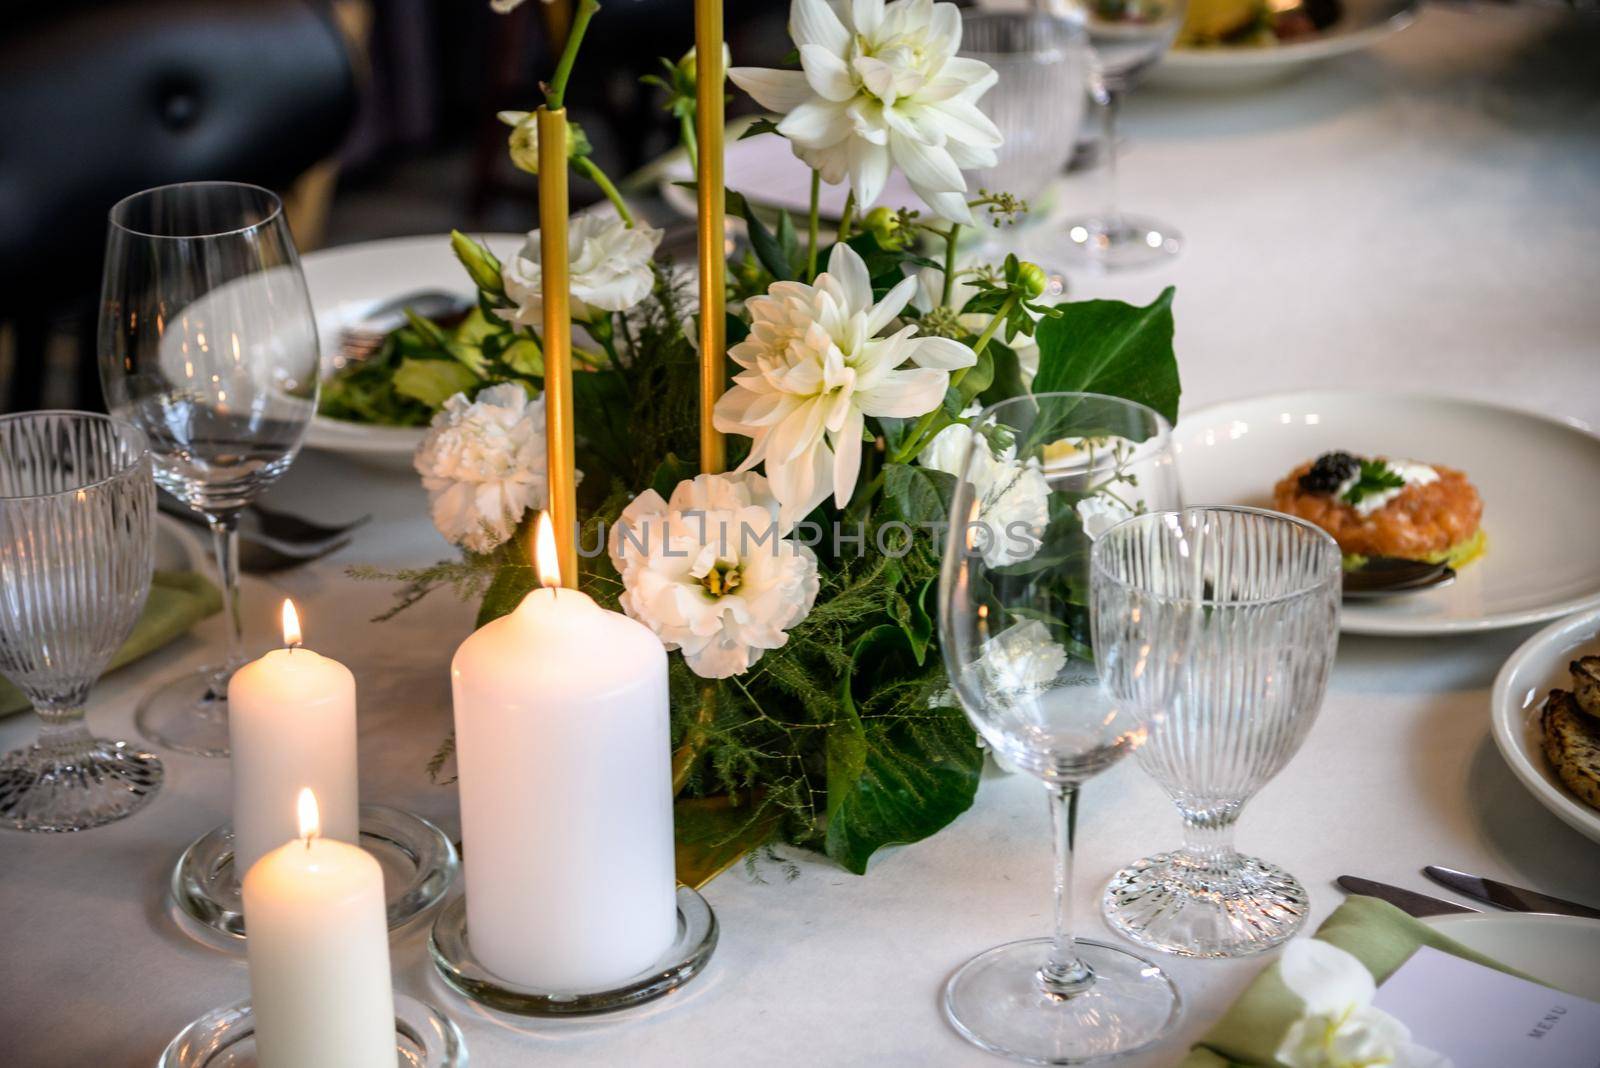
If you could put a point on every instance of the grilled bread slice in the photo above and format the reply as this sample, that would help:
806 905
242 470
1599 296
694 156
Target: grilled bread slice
1572 745
1586 684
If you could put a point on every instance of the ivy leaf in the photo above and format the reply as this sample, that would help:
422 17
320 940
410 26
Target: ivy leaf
1106 346
893 780
919 495
432 382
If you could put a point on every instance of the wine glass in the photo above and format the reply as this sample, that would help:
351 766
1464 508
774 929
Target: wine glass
1126 38
1267 587
1043 476
77 544
208 343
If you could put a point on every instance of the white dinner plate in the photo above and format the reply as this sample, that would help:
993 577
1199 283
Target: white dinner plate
1537 477
1517 699
1560 951
347 282
1363 24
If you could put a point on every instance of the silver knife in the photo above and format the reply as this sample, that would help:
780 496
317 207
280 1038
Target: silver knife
1408 901
1506 896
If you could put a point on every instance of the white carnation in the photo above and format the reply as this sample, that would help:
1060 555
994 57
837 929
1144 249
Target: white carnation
1013 495
709 573
483 465
608 269
1100 513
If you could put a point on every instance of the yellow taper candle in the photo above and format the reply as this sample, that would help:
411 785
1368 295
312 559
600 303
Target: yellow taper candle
713 235
552 130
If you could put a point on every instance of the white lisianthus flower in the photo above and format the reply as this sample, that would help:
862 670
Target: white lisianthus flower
1013 496
1100 513
930 294
814 368
881 85
609 269
483 465
708 572
1340 1027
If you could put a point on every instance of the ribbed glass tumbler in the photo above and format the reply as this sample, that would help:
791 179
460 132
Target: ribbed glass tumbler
1261 593
77 534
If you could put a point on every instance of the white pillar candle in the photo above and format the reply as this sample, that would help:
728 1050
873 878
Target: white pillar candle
319 954
291 725
563 754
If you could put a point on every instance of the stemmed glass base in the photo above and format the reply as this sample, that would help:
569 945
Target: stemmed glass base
998 1000
1193 906
1119 242
188 714
72 781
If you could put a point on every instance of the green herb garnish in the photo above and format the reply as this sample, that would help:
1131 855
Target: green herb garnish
1375 477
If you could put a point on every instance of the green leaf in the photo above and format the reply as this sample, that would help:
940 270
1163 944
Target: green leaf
766 246
432 382
523 357
1375 477
978 377
918 495
897 779
789 244
759 127
511 583
1106 346
672 471
1006 382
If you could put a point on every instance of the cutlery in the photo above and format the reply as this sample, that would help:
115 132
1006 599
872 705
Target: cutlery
1389 576
1506 896
365 336
271 540
1408 901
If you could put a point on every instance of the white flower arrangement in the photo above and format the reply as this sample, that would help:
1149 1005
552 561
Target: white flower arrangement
709 573
881 86
1340 1027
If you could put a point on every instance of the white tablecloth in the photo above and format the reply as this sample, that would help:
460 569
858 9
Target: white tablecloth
1426 216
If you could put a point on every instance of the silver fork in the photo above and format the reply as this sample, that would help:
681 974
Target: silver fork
360 339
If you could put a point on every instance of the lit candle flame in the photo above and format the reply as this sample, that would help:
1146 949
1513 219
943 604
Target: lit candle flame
310 818
546 561
291 625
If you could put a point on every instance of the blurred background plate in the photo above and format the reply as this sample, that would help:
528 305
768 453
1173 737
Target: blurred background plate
1362 24
1535 474
1536 668
348 282
1558 950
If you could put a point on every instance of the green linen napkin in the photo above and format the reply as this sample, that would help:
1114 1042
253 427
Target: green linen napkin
178 600
1374 932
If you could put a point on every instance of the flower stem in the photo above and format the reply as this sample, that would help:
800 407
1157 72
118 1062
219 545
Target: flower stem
587 168
919 433
691 146
849 217
556 92
696 739
949 263
811 226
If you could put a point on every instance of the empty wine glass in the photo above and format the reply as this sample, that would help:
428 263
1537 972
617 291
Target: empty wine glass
1267 589
77 537
1126 38
208 343
1042 476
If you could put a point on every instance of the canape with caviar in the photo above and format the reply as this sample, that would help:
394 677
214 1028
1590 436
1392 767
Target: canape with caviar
1387 507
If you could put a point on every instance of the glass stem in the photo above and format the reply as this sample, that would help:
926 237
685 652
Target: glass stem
1110 104
1064 974
1208 840
225 543
62 730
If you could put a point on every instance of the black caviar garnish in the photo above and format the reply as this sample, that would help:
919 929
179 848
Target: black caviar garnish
1329 471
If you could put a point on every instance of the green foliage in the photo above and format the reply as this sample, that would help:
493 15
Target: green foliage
1375 478
432 382
1106 346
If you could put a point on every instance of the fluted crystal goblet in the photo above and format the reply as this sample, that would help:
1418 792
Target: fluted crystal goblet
1267 589
77 535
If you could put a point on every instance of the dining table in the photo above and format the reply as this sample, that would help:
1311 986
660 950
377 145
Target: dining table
1422 216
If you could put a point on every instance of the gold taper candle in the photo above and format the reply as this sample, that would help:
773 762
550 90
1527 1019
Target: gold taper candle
713 234
559 446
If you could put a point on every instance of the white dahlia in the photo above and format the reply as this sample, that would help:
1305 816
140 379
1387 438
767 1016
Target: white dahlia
483 465
1013 496
881 85
709 573
609 269
814 368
